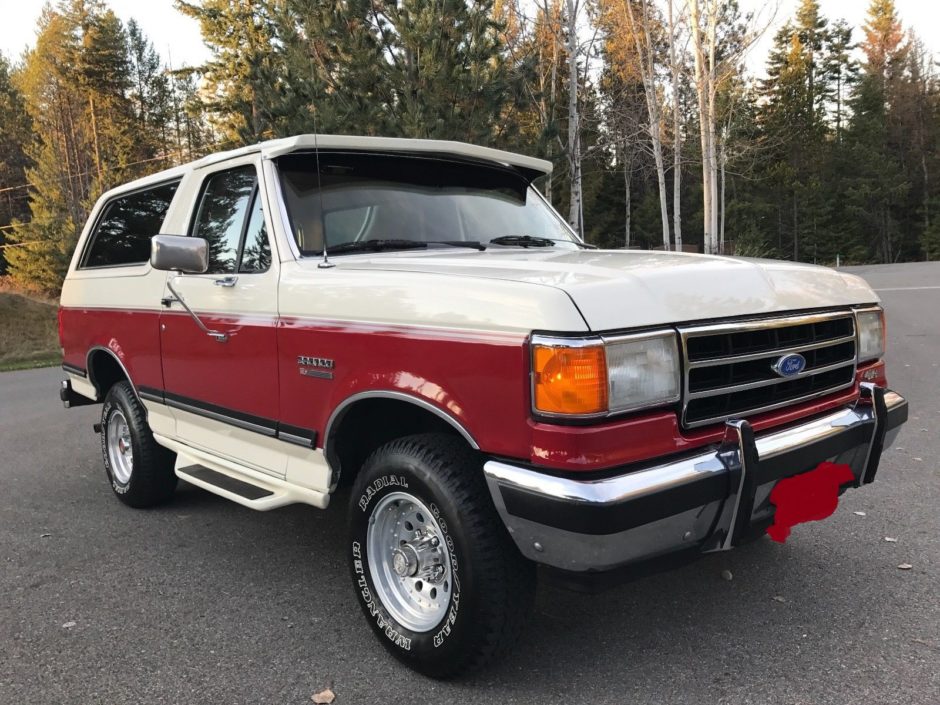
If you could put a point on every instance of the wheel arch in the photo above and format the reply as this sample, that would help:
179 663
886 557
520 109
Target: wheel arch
385 415
105 369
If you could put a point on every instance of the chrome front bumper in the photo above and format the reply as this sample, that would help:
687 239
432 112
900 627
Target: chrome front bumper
706 502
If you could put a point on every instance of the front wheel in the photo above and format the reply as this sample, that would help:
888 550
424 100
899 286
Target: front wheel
436 574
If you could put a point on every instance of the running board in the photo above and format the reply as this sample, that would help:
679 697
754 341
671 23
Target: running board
243 489
243 485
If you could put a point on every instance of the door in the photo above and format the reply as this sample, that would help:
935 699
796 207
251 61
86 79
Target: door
222 384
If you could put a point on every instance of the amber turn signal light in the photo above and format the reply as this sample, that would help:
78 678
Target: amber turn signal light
570 380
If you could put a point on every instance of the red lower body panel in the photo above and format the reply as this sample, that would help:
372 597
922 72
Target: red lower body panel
479 379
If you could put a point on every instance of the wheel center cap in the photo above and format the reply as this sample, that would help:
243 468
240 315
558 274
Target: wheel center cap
405 561
122 446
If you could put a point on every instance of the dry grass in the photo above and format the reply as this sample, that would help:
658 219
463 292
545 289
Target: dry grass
28 332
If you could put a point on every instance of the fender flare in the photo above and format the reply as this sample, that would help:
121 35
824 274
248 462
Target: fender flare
340 411
91 373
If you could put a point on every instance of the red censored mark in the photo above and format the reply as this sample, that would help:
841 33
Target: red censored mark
811 496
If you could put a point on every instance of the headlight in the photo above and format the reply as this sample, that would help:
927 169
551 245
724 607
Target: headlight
871 334
643 371
593 377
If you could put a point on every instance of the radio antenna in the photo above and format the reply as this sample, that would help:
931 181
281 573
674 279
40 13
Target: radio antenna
325 262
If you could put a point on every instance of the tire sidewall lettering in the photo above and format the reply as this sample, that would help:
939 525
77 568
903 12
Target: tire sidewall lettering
376 486
398 635
107 409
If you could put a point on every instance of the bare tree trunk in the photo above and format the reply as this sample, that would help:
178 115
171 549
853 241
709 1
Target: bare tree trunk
706 86
701 90
676 137
712 118
627 184
796 231
94 132
574 121
722 158
647 57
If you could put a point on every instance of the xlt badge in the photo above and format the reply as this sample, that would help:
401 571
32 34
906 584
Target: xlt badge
316 366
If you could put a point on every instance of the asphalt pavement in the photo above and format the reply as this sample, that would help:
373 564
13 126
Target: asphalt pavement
203 601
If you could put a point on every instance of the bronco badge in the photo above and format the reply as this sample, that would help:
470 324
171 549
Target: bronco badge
316 366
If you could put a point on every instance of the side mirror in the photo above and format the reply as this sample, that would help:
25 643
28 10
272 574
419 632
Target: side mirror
174 253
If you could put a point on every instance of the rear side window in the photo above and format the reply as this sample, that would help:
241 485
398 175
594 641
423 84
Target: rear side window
122 235
232 222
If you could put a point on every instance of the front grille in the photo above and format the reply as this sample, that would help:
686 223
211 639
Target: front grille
729 367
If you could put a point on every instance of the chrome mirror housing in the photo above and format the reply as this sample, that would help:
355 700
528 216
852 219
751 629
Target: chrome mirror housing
174 253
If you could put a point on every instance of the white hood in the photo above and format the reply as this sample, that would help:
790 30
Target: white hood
621 288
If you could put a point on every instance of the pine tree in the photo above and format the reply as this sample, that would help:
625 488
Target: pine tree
15 129
877 187
74 84
446 72
333 63
152 101
241 35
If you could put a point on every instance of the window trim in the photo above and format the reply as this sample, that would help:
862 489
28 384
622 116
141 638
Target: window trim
93 233
196 211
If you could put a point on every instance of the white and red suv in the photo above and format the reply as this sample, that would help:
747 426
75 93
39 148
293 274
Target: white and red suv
412 318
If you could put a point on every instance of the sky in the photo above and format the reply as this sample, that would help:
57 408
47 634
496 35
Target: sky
177 38
173 34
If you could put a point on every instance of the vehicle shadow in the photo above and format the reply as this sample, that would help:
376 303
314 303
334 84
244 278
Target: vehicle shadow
634 637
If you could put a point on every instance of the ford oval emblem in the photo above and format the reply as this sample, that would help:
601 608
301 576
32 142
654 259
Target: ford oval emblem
790 365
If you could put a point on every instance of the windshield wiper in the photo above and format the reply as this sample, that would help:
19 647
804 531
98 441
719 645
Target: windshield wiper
398 244
522 241
533 241
472 244
376 246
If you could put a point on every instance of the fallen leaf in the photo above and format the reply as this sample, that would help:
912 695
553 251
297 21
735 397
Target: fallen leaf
44 536
919 460
905 566
861 514
891 539
779 598
68 625
726 574
324 697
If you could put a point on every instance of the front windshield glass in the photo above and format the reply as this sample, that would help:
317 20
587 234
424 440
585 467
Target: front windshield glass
407 201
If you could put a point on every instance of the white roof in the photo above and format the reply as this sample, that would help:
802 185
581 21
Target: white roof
277 148
286 145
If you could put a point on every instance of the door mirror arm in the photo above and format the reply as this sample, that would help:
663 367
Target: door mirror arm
214 334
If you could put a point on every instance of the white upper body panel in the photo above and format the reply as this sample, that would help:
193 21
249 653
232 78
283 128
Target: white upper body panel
611 289
503 289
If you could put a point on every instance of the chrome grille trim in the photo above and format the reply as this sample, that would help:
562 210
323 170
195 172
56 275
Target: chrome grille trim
767 382
781 351
687 333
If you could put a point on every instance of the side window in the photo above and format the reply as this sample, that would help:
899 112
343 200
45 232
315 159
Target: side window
122 235
256 252
230 218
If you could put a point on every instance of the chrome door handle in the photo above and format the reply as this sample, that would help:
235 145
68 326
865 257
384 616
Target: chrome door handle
226 281
214 334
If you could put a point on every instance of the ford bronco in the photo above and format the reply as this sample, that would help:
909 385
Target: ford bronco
411 320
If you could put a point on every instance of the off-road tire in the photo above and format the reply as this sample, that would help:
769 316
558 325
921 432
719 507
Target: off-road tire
152 480
493 585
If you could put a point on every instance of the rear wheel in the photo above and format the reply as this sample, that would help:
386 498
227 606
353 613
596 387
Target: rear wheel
437 576
139 469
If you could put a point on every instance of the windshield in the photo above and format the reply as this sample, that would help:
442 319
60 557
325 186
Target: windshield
404 202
